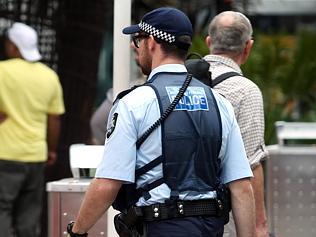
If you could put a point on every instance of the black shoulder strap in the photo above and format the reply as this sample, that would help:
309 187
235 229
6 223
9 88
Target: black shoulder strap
125 92
223 77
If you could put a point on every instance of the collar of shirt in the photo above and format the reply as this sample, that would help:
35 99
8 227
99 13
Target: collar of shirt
217 59
167 68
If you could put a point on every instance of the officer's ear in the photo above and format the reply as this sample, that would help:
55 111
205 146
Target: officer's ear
151 43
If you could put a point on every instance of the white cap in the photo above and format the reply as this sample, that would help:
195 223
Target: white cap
25 38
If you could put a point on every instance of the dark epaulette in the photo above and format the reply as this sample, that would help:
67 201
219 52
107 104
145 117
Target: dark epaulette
125 92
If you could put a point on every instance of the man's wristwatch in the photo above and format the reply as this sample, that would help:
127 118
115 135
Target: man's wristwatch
72 234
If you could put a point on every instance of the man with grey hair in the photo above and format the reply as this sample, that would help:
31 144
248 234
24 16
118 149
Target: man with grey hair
230 42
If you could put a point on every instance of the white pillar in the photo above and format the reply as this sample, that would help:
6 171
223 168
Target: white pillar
121 46
121 69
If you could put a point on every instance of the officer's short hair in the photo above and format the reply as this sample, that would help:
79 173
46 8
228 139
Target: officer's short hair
173 49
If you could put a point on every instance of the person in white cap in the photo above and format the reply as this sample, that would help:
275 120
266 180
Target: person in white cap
31 101
25 39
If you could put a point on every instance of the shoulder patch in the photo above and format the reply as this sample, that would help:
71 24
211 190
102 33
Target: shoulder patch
110 129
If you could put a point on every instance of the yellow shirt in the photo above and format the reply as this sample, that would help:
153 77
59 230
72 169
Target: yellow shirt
28 92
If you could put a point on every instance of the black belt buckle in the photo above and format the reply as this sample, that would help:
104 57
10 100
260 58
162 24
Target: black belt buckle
220 208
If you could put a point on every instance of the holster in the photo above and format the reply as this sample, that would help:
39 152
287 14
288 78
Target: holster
129 224
223 195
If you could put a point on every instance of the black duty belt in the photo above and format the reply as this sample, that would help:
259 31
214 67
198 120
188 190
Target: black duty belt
179 208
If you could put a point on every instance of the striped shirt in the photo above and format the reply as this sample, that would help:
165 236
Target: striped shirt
246 98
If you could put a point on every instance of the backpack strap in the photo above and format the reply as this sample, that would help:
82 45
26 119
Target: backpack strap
223 77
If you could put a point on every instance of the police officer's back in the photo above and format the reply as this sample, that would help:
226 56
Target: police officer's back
172 145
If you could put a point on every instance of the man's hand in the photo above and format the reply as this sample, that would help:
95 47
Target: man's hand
98 198
262 231
3 117
51 157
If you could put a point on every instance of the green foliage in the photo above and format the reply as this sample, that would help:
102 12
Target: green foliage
199 45
284 67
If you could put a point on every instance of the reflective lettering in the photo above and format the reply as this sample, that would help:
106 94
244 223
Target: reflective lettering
193 99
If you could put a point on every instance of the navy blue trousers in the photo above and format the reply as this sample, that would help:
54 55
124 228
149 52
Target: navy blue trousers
201 226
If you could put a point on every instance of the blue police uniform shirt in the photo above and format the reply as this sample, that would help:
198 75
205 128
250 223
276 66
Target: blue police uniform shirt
131 116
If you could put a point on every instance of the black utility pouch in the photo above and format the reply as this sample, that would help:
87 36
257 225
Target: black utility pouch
199 68
126 197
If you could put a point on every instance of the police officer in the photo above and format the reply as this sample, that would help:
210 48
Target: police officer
171 147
